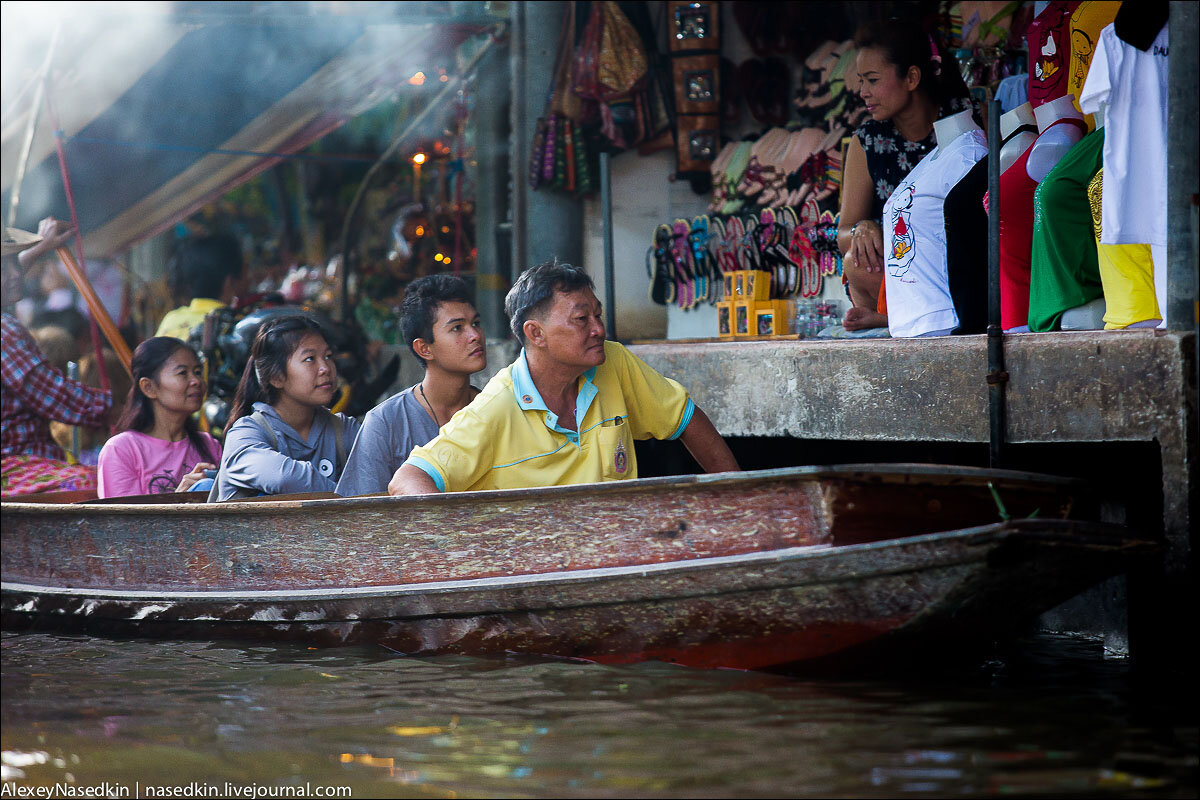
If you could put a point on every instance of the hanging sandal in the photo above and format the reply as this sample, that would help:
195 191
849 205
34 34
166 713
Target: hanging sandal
705 270
684 273
662 278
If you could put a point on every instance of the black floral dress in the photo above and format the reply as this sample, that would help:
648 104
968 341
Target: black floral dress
890 156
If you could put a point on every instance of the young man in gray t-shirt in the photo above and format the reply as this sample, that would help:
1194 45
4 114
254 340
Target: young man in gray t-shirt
443 330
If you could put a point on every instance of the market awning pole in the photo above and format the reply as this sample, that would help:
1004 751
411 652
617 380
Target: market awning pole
100 320
610 292
997 378
39 95
437 102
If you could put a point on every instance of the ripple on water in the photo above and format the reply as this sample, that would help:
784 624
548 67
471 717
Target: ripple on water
1051 717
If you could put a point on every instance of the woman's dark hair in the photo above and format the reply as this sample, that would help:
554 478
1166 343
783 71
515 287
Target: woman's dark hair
418 310
906 43
148 361
274 344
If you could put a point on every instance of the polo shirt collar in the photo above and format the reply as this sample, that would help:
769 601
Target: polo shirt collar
529 399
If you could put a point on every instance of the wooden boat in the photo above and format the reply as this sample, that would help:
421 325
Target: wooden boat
748 570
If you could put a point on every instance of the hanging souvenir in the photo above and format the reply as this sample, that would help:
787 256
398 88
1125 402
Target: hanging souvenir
695 45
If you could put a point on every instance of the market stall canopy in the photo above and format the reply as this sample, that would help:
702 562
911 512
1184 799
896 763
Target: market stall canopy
144 101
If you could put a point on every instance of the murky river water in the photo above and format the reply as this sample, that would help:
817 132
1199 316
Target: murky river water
1050 716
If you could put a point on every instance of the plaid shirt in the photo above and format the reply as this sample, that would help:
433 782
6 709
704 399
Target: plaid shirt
35 393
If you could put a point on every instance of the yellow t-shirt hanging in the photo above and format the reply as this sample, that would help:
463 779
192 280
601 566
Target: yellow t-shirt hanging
1086 23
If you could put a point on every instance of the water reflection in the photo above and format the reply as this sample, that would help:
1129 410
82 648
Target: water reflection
1055 718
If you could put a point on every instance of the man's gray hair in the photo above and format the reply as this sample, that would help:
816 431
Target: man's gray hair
534 291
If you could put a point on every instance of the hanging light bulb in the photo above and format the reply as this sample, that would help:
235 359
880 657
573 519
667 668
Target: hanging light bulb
418 158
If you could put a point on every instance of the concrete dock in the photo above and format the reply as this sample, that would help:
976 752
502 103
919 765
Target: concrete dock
1118 407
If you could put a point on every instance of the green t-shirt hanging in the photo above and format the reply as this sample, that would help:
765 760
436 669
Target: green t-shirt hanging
1064 271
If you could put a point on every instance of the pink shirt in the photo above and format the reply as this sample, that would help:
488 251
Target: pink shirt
136 463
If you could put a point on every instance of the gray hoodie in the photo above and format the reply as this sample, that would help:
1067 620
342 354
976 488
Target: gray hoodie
299 465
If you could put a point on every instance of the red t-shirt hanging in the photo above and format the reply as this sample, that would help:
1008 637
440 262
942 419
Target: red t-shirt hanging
1048 39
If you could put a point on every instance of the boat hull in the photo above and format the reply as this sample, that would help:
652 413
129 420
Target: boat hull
746 570
381 541
750 611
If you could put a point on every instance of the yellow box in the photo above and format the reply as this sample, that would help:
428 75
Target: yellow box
725 318
743 317
774 317
755 284
731 289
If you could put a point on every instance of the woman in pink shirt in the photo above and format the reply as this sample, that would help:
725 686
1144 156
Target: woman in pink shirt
160 448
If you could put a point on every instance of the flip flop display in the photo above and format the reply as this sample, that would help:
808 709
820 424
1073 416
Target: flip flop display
687 259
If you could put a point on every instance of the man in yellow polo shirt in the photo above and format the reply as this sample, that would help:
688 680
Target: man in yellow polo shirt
207 271
566 411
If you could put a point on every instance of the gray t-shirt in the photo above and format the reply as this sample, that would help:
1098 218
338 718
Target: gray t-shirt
390 431
300 465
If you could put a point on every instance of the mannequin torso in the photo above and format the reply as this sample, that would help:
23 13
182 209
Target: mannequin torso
947 129
1055 140
1018 130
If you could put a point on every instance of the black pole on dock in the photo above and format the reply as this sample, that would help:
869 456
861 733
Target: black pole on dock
997 378
610 290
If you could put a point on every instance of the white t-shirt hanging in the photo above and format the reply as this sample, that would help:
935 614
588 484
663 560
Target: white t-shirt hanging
1133 83
914 239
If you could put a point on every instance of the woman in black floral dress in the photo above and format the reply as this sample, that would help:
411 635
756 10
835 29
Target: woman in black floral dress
908 81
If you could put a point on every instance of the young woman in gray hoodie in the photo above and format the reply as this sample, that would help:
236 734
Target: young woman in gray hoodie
282 439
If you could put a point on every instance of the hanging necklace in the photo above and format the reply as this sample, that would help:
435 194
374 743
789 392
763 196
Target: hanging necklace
432 413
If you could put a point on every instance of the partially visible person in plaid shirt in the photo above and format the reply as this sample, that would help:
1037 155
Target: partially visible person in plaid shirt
34 392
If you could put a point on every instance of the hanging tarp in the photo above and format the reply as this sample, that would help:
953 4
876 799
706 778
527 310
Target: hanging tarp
145 108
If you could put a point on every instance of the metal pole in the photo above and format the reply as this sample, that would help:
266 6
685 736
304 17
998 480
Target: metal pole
996 376
73 374
39 95
438 102
493 270
521 139
610 291
1183 69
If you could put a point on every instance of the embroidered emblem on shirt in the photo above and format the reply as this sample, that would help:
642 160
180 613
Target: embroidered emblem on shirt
325 467
620 461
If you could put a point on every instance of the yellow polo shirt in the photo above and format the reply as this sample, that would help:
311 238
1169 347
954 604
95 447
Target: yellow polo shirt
508 439
180 321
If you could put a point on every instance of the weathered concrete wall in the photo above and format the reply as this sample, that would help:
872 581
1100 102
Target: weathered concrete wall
1069 387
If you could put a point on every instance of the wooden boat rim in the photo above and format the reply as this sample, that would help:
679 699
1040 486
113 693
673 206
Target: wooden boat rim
1104 533
879 472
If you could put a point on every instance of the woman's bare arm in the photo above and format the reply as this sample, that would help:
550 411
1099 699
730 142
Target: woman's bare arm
865 249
